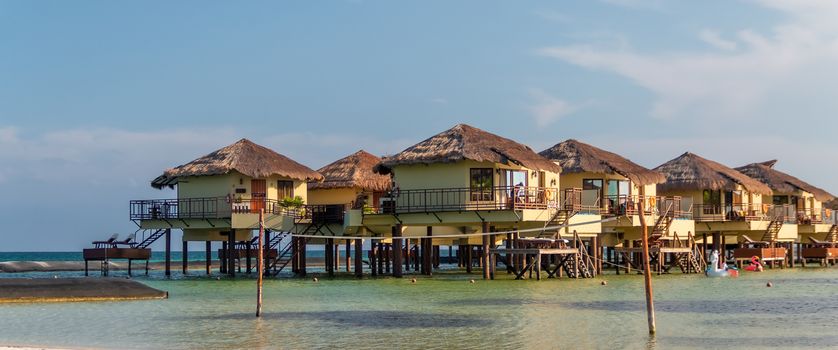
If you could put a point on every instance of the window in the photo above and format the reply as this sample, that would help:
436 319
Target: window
712 197
618 192
780 200
285 189
481 181
591 191
592 184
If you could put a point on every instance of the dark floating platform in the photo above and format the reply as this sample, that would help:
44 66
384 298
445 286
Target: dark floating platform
28 290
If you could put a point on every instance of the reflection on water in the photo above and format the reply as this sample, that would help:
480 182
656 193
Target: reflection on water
448 312
360 318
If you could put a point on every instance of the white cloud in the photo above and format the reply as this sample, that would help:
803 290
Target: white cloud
439 100
102 155
713 38
547 109
733 83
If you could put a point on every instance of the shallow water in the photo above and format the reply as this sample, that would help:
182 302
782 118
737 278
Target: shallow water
446 311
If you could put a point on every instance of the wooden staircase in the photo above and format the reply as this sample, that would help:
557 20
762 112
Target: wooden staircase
832 235
583 267
151 239
772 231
662 226
284 256
560 218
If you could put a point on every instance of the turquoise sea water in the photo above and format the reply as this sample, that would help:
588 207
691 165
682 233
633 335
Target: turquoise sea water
446 311
156 256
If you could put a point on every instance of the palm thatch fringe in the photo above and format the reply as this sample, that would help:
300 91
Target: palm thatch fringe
691 172
781 182
467 142
352 171
578 157
243 156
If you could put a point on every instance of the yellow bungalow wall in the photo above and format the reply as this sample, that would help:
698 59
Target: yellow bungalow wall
333 196
224 185
456 175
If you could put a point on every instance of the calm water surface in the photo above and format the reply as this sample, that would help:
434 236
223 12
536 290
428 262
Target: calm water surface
446 311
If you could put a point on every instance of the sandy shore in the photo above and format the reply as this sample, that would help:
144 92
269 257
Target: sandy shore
23 290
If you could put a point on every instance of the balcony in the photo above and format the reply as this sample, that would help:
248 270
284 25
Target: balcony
206 208
469 199
626 205
810 216
745 212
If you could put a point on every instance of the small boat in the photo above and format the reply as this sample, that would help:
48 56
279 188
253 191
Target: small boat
714 271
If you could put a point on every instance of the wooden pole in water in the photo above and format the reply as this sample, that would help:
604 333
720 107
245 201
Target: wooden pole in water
647 271
260 265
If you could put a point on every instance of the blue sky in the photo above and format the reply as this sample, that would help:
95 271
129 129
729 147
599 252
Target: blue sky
99 97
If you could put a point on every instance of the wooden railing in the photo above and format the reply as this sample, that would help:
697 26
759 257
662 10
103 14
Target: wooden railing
205 208
626 205
810 216
744 212
469 199
182 208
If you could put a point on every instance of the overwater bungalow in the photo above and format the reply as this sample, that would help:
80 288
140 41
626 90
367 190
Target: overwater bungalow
219 199
728 206
468 181
615 186
816 224
348 183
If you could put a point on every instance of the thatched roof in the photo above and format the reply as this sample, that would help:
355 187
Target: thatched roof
352 171
578 157
691 172
467 142
780 181
243 156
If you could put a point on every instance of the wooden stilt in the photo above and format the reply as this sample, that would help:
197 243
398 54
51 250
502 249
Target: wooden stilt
647 273
348 245
373 259
328 250
427 252
485 256
416 257
397 250
260 263
231 250
185 257
336 255
208 254
222 258
168 252
382 254
303 258
387 257
359 255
